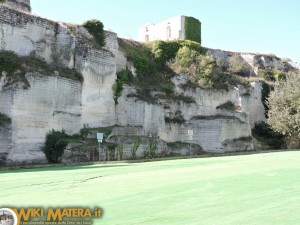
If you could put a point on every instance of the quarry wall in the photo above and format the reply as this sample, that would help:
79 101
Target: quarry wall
53 102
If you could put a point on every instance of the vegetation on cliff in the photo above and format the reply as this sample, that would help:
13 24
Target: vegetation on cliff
55 145
4 119
264 132
95 28
157 62
16 67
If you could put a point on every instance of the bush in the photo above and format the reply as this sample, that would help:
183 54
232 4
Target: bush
185 98
117 89
266 75
272 75
4 119
55 145
111 148
140 56
177 118
164 51
229 105
123 76
152 148
95 28
70 74
120 151
237 65
9 62
265 92
84 131
263 132
135 146
169 89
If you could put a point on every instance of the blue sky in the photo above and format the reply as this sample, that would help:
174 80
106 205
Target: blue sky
265 26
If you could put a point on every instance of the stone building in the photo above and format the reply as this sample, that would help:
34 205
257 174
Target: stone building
20 5
171 29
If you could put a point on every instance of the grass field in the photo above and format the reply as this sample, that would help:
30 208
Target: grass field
237 190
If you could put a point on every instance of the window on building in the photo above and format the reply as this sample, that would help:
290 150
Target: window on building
147 38
147 29
168 32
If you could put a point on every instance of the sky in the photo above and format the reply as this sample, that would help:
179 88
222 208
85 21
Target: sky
264 26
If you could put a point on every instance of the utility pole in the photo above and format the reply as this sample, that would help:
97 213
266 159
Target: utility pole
99 138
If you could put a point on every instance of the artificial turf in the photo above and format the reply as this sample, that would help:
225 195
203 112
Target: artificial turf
256 189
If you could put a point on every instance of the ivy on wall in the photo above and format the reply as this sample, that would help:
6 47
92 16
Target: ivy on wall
192 29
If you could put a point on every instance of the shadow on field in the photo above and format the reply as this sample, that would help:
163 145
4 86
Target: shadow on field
61 168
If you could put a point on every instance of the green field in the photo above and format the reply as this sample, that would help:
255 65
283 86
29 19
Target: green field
236 190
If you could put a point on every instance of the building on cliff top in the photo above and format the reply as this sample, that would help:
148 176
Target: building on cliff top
20 5
177 28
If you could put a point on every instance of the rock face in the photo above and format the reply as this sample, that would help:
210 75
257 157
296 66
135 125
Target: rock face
21 5
53 102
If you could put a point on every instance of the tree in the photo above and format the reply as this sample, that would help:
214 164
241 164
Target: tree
284 107
55 145
2 1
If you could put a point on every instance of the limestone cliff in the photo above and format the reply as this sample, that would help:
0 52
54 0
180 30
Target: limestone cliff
54 102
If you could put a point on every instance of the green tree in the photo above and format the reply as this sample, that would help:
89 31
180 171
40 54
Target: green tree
55 145
95 28
284 107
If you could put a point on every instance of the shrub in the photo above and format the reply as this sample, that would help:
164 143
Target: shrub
263 132
169 89
164 51
237 65
266 75
265 92
95 28
279 75
152 148
70 73
84 131
272 75
9 62
177 118
229 105
117 89
4 119
120 151
140 56
111 148
55 145
123 76
135 146
184 98
192 29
